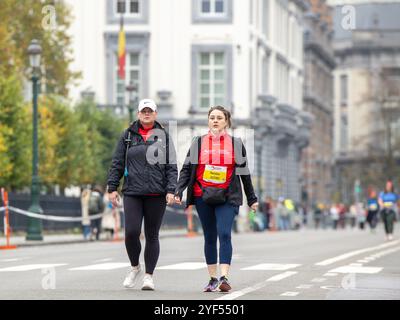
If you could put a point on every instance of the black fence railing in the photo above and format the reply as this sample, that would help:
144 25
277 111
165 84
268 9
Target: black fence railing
71 207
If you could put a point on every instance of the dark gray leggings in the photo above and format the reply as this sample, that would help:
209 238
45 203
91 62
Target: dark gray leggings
388 217
152 209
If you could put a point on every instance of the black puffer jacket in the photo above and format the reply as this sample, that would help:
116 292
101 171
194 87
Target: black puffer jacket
187 176
151 165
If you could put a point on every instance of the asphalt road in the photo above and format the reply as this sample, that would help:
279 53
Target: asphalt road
306 264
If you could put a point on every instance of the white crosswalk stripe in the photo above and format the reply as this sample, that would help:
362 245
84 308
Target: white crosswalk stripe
289 294
357 269
30 267
272 266
102 266
184 266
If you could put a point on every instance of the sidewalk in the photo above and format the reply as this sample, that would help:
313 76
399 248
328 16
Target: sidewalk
56 239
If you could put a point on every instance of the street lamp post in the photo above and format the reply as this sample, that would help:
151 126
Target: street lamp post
131 88
34 231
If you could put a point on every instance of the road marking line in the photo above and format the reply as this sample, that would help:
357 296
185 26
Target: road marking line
354 253
355 264
305 286
272 266
318 280
282 276
103 260
10 260
103 266
383 253
258 286
354 269
29 267
184 266
330 274
290 294
363 261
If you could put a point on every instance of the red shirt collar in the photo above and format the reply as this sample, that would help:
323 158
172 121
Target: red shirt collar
221 136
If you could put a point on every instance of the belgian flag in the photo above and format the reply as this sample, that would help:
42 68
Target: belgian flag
121 50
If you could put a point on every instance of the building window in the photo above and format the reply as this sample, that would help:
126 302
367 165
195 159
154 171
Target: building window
343 133
390 82
132 73
211 76
265 19
214 11
213 7
128 7
343 90
212 80
133 11
265 74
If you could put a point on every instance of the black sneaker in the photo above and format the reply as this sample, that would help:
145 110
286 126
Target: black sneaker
224 285
212 285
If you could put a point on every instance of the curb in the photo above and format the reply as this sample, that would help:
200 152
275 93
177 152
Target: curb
67 242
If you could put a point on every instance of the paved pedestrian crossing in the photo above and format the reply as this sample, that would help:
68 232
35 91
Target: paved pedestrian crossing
106 265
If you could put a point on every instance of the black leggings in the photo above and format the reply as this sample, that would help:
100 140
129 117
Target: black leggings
152 209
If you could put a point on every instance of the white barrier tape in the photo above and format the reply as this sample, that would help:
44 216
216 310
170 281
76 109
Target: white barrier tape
71 219
180 211
53 218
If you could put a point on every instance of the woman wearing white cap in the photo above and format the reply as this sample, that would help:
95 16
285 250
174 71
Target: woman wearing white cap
145 156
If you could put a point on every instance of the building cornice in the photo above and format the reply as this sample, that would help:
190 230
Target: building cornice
302 4
314 46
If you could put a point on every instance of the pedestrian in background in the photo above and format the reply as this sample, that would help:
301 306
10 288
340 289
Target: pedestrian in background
96 206
342 216
145 156
318 208
334 213
85 195
266 209
213 168
110 222
283 214
388 202
373 209
353 215
361 215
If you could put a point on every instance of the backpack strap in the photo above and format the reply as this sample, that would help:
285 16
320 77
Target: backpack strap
128 144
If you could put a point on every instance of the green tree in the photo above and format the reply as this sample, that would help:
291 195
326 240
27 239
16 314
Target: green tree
15 150
101 130
47 21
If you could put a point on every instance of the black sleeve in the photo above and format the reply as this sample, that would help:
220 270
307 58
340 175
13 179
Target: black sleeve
184 174
116 170
171 166
101 203
244 172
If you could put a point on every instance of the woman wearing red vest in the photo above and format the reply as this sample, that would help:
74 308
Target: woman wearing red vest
211 173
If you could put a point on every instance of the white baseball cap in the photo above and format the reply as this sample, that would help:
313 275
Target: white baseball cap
147 103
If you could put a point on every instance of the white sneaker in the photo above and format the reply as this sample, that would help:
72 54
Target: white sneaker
148 283
132 277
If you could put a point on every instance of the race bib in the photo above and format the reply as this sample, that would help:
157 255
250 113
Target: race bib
373 206
388 204
215 174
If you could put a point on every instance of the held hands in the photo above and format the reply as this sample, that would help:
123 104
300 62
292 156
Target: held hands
170 199
178 200
114 198
254 206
